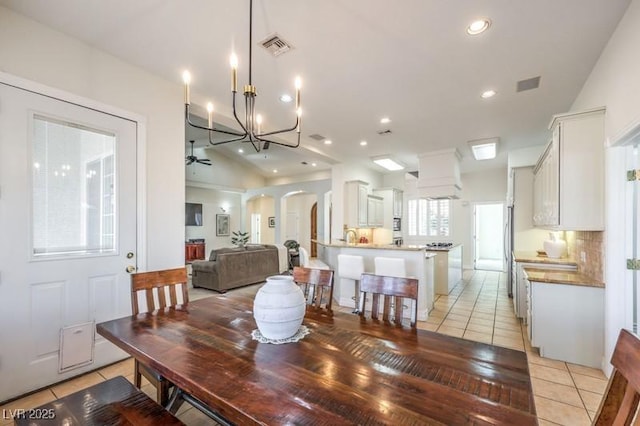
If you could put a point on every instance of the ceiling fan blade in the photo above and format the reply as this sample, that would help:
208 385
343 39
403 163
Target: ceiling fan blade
189 161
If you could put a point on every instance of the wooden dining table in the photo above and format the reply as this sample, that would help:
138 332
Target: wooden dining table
347 370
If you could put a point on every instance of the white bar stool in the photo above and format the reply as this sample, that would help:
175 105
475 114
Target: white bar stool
352 268
390 267
304 257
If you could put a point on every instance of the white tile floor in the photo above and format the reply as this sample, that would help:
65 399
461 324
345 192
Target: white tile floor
477 309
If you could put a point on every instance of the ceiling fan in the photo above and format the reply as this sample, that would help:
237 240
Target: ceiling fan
193 159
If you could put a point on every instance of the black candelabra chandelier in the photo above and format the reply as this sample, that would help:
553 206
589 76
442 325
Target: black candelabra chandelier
252 131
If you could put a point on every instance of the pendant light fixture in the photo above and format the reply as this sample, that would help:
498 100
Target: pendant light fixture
252 131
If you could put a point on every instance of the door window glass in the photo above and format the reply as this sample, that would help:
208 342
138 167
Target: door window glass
74 189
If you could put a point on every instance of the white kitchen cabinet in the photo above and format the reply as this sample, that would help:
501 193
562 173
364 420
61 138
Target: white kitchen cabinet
520 291
567 322
375 211
356 197
569 176
391 206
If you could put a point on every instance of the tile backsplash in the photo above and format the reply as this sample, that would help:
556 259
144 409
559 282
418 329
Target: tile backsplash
592 244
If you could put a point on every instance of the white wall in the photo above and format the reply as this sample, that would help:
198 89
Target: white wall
283 180
280 193
224 172
479 187
615 83
301 204
212 200
38 53
394 180
266 207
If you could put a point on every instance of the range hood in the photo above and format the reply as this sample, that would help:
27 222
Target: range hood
439 174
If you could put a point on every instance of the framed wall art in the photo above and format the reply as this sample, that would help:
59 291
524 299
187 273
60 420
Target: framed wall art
222 225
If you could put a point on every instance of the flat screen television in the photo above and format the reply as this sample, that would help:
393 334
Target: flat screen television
193 214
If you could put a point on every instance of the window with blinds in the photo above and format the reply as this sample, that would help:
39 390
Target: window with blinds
429 218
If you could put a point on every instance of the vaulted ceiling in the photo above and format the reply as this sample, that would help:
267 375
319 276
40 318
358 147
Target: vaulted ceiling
361 60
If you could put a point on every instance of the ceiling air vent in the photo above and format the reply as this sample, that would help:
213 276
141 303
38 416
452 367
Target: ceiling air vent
528 84
317 137
276 45
384 132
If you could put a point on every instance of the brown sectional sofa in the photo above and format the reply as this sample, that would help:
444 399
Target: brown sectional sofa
229 268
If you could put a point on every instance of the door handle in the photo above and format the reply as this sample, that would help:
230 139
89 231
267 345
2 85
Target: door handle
131 269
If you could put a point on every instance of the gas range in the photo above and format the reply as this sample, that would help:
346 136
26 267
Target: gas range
438 246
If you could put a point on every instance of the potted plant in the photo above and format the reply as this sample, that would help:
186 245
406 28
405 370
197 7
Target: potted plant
240 238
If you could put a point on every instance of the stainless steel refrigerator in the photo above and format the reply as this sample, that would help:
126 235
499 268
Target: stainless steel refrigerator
520 234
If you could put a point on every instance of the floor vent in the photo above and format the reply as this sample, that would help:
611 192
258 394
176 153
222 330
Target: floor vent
528 84
276 45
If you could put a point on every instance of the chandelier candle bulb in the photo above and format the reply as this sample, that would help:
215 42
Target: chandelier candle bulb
234 72
210 113
298 87
259 122
186 78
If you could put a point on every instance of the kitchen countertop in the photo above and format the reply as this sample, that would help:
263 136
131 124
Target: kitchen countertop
532 257
561 277
442 248
341 244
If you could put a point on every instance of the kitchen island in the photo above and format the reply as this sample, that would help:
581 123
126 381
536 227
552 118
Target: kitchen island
447 264
419 264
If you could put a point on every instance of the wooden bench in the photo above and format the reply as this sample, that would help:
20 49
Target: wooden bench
113 402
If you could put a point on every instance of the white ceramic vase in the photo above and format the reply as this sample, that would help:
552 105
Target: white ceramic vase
279 307
554 247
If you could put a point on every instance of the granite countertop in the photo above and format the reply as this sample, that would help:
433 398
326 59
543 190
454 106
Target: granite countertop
434 249
533 257
370 246
561 277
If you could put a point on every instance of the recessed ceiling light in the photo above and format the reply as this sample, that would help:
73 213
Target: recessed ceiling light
286 98
388 163
385 120
313 164
488 94
240 150
328 142
363 143
275 170
479 26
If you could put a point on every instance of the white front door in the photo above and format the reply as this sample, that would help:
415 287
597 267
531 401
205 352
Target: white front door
67 234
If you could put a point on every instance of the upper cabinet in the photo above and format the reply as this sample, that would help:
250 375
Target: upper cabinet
356 194
375 211
391 206
569 176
